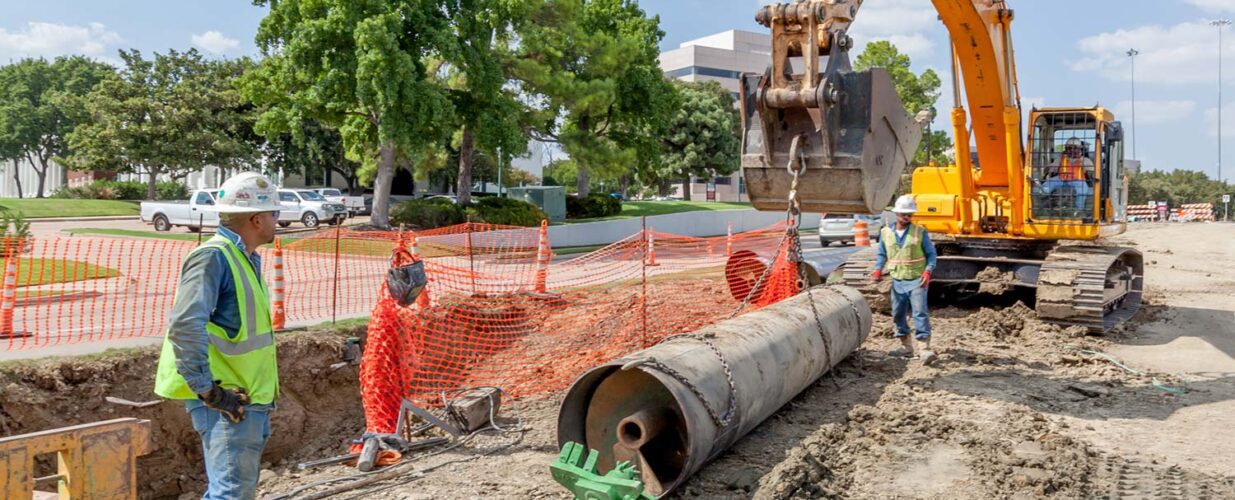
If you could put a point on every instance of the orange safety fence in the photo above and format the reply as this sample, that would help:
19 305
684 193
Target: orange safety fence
484 322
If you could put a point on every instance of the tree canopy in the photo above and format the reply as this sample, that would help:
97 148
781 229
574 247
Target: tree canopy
361 67
40 105
592 67
170 115
702 139
1176 187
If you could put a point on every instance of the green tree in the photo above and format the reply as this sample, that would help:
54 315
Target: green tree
918 92
593 65
1176 187
703 137
170 115
361 67
311 151
41 105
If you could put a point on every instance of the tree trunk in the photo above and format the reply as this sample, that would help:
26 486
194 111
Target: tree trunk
152 186
381 186
466 148
582 184
626 186
662 188
17 178
686 189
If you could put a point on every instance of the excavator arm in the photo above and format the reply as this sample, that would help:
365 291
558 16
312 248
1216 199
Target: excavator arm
848 130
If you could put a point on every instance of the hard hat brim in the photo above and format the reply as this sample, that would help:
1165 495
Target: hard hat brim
233 209
903 211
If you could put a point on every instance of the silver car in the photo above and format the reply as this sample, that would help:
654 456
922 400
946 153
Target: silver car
839 227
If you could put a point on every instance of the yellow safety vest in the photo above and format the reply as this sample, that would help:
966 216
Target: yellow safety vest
249 359
906 262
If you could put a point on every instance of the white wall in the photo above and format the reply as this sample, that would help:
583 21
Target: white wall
29 180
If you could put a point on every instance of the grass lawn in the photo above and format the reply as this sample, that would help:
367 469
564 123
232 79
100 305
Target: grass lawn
632 209
39 271
47 207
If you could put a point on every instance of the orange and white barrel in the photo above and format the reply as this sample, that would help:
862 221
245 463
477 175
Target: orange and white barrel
861 234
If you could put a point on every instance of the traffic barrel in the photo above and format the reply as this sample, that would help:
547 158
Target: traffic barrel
861 234
10 294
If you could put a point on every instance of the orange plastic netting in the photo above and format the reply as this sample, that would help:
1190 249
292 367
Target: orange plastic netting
484 320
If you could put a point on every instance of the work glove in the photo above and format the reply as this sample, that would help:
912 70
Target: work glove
877 275
926 278
229 402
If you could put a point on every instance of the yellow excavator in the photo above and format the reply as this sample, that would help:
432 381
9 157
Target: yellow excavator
1010 214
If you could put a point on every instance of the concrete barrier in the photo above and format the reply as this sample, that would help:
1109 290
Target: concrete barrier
701 223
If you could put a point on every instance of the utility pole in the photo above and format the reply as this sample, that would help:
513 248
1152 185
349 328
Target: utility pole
1132 53
1220 23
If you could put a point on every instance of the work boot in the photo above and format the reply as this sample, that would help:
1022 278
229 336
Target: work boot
926 354
905 350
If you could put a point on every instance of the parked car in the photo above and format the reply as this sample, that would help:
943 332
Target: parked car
190 213
355 204
448 197
839 227
309 208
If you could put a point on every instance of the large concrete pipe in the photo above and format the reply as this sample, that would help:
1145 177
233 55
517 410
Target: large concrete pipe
671 408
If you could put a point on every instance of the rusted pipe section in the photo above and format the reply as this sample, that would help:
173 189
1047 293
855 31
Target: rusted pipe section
671 408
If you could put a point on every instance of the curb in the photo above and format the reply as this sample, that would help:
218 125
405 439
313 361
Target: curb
84 219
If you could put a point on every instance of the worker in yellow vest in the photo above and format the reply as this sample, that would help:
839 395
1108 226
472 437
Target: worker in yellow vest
219 351
908 256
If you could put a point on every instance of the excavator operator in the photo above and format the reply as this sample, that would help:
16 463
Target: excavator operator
1072 171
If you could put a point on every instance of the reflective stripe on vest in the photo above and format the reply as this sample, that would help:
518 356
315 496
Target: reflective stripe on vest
1071 172
906 262
248 360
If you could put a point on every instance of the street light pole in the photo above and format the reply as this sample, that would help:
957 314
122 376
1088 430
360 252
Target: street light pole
1132 53
1220 23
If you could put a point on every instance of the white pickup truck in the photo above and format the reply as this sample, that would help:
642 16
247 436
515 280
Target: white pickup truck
299 205
355 204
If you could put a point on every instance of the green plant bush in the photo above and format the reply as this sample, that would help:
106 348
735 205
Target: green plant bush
169 190
122 190
507 212
595 205
427 214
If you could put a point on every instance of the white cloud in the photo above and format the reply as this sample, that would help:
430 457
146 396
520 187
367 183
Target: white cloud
905 23
1183 53
215 42
51 40
1211 120
1154 112
1214 5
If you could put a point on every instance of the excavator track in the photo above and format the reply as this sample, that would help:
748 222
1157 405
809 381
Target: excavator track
1091 286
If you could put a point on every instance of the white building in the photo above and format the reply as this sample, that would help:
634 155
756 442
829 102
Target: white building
722 57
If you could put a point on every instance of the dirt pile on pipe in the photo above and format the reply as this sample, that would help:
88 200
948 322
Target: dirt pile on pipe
317 409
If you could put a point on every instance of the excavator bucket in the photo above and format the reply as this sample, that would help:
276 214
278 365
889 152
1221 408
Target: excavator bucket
853 152
844 132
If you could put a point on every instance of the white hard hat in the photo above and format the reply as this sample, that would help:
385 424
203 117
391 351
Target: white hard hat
246 192
905 205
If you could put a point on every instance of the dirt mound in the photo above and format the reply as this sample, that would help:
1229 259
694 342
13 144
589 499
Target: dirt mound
318 407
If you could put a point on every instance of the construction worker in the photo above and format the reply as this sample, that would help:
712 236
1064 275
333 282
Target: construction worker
219 354
1072 171
907 255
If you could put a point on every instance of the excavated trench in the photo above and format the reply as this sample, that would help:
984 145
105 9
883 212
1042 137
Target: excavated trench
318 407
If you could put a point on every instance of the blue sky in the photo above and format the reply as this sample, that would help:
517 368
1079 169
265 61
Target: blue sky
1069 52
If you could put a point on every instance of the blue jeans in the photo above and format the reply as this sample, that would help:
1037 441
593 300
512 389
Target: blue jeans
233 452
1080 189
906 295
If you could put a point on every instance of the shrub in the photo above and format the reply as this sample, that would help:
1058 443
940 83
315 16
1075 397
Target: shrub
427 214
507 212
169 190
595 205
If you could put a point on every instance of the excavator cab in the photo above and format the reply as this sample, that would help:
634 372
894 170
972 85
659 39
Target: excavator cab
844 132
1076 166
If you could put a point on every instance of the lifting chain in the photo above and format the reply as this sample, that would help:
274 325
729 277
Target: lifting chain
793 215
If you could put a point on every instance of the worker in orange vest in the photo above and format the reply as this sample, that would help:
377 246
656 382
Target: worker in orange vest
1073 171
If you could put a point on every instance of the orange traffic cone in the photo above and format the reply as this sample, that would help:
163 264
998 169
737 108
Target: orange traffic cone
729 241
10 297
543 255
652 248
279 316
861 234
